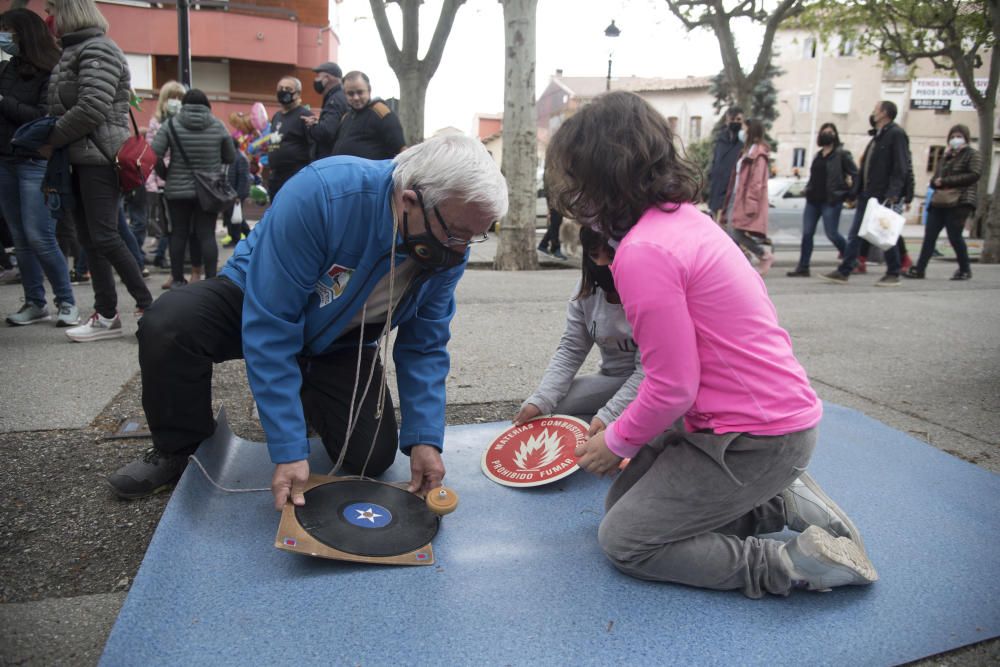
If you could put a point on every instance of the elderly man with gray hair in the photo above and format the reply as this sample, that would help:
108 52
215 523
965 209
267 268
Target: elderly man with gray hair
351 249
288 149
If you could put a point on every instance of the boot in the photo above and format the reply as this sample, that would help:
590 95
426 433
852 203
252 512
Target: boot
195 274
806 505
862 265
817 561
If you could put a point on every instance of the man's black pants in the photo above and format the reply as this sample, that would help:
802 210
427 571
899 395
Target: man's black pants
188 330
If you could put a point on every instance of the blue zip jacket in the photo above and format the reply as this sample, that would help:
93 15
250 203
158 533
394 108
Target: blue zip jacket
306 268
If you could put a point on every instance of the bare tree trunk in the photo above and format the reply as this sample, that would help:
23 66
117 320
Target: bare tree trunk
413 74
516 250
413 89
991 227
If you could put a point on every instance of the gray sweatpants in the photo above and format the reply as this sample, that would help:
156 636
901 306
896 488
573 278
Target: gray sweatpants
689 507
588 394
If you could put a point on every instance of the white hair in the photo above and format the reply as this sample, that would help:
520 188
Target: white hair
453 167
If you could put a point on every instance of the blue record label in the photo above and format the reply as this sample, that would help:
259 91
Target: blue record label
367 515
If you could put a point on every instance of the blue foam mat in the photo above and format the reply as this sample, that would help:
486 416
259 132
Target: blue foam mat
520 579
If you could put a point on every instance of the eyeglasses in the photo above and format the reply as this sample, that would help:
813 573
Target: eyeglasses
355 93
450 241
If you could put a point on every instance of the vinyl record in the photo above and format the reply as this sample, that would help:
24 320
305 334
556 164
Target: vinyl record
367 518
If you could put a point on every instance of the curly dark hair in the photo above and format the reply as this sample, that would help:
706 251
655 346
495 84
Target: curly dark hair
614 160
590 241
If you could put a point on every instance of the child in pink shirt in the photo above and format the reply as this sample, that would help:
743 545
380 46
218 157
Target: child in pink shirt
691 505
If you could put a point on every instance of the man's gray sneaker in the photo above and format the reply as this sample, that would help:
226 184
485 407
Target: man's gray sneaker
818 561
96 328
835 277
29 314
10 276
806 504
152 473
888 281
69 315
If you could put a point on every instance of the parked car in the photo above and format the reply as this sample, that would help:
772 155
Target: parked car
787 193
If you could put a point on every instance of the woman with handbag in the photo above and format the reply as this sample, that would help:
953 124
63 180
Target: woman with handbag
89 93
953 202
23 80
199 144
831 176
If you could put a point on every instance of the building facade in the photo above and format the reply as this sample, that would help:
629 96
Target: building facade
239 51
834 83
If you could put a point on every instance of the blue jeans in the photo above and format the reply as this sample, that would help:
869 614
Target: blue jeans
831 222
34 231
131 242
854 244
135 206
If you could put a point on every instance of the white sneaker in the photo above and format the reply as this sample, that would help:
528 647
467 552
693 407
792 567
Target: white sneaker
69 315
818 561
806 504
96 328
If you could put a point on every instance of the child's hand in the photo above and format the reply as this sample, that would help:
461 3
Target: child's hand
529 411
596 426
595 457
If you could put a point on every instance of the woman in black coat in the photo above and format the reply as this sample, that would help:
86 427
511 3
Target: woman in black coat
24 81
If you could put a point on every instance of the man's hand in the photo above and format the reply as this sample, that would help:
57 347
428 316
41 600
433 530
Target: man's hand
595 457
596 426
529 411
46 151
289 480
426 469
310 120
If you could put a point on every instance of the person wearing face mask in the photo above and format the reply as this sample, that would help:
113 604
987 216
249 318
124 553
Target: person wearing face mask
289 149
831 176
883 172
168 105
323 130
746 205
351 249
370 129
594 316
954 200
23 82
724 155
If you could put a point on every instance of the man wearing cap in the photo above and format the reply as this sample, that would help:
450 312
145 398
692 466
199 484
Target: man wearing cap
323 130
370 129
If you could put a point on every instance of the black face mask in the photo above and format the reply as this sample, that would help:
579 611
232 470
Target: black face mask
601 275
285 97
318 86
825 139
735 127
427 250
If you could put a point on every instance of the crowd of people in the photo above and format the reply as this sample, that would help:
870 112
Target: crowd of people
738 194
65 96
699 389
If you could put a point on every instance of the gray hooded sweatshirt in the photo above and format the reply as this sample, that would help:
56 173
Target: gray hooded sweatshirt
592 320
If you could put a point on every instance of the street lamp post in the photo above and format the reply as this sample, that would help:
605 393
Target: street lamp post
609 32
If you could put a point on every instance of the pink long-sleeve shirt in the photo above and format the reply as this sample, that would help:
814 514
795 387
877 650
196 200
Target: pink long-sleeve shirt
708 334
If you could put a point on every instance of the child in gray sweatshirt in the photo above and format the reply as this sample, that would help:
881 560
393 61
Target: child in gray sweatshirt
594 315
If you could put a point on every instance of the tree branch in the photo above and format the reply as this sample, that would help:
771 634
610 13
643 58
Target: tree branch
445 22
392 52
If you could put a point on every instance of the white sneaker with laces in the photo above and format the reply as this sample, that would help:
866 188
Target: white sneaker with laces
806 504
96 328
818 561
29 313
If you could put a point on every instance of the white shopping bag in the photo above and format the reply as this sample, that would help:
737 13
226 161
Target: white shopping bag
237 216
881 225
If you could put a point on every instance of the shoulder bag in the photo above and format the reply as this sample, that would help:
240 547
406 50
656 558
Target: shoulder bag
212 187
135 159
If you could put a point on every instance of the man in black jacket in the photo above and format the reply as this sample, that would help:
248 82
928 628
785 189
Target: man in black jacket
370 129
882 177
323 130
727 149
289 148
